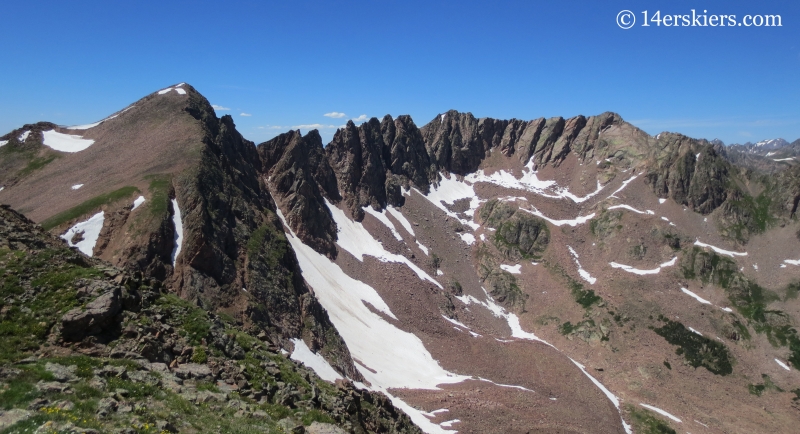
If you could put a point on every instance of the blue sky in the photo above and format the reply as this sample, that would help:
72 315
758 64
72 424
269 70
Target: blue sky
287 64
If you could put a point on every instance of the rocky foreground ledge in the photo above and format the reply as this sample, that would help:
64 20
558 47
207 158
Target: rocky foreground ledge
88 348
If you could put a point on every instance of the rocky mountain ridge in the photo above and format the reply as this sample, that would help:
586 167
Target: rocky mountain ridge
456 236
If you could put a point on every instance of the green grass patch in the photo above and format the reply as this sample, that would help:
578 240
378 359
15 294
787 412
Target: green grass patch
52 272
159 193
89 206
697 350
766 385
35 164
646 422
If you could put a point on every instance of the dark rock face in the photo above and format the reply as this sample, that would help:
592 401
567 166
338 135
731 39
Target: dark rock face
454 144
407 156
518 235
226 209
587 139
700 180
301 180
356 156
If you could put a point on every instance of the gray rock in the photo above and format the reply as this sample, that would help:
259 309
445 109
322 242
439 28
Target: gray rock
78 322
290 425
192 370
62 373
51 387
106 406
324 428
10 417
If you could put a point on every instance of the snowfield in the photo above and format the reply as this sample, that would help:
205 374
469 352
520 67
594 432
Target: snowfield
513 269
450 190
65 142
530 182
91 231
178 237
358 241
389 357
314 361
720 251
657 270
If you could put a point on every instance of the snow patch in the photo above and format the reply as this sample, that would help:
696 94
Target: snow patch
386 356
76 186
162 92
423 248
513 269
24 136
450 190
661 201
530 182
180 91
624 184
138 202
65 142
3 143
401 218
660 411
88 126
696 297
314 361
178 236
91 231
783 365
467 238
628 207
574 222
381 216
720 251
583 273
784 159
356 240
630 269
792 261
695 331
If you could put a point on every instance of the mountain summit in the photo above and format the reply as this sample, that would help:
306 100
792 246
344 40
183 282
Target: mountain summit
485 275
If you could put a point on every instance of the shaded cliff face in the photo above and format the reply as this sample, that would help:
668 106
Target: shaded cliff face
205 223
301 179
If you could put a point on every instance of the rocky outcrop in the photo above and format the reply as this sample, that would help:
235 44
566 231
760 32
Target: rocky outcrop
356 155
235 257
518 234
94 318
300 179
691 173
407 156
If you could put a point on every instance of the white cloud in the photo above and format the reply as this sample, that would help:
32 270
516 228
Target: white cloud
335 115
314 126
219 108
245 114
361 118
